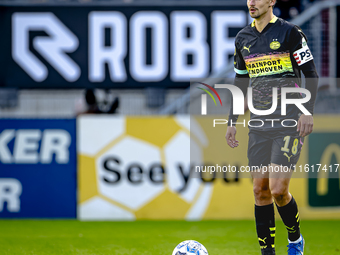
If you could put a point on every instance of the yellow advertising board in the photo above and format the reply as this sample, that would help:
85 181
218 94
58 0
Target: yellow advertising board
144 168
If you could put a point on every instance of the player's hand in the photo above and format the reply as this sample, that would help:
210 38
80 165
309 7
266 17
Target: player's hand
230 137
305 125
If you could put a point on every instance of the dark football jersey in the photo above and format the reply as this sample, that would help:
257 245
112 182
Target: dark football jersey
272 58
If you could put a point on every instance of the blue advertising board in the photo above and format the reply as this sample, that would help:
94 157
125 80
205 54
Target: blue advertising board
38 168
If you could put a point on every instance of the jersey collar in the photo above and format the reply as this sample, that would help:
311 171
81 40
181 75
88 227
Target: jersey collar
273 20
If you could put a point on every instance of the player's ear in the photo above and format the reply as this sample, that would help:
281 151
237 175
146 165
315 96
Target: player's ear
272 3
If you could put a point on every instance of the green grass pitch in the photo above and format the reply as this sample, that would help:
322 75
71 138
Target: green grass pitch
154 237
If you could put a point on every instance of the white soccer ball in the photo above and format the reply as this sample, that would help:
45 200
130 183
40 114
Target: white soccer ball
190 247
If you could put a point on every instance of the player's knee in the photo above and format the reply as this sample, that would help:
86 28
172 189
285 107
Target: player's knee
261 192
279 193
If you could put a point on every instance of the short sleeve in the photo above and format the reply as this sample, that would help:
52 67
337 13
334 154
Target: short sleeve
299 47
239 64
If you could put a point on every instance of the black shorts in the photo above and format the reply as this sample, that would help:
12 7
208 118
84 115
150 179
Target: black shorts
277 147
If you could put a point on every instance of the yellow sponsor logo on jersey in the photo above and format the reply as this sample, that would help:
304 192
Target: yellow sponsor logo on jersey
247 48
274 45
265 65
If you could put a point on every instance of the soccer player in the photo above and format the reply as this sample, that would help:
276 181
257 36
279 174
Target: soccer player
272 52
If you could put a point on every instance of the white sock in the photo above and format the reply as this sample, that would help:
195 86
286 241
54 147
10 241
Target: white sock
297 241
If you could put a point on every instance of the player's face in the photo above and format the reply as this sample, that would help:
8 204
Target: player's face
259 7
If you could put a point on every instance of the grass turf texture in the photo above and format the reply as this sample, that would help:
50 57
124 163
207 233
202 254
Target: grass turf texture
154 237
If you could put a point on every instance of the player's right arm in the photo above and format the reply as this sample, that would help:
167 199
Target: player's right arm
241 81
230 136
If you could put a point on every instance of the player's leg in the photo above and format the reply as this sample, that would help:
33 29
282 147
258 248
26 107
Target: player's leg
264 215
279 185
285 154
286 205
287 208
259 155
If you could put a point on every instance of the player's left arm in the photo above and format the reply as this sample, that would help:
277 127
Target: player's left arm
305 62
305 123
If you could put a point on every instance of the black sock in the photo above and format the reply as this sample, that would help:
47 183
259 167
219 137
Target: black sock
290 217
265 227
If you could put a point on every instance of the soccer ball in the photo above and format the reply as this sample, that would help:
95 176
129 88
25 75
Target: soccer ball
190 247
